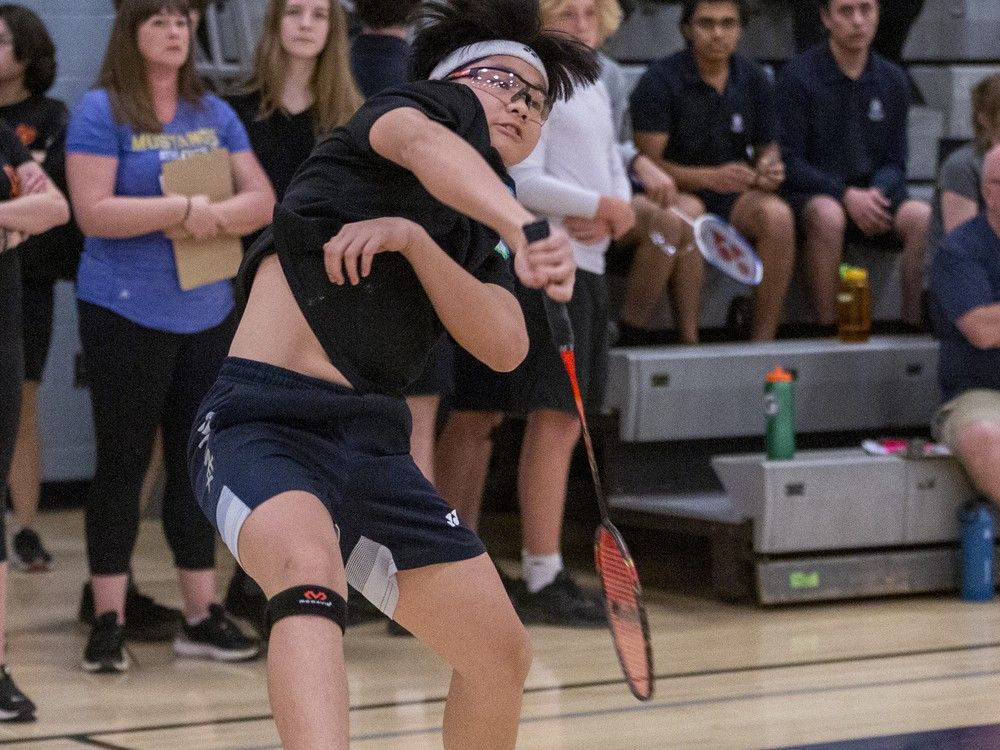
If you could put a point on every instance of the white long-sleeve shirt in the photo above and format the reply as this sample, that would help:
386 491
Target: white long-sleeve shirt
576 161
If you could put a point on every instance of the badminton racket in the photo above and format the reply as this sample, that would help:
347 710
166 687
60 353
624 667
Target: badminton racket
721 245
615 567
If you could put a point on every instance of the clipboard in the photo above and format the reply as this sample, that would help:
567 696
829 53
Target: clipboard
201 262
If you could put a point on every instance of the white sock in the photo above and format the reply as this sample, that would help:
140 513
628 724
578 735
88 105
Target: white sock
540 570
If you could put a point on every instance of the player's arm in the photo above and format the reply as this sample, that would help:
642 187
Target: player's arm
454 173
485 319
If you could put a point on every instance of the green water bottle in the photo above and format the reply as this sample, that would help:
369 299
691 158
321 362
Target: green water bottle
779 406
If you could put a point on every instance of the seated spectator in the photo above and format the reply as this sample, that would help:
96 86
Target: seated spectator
706 115
842 127
958 196
380 54
897 16
965 286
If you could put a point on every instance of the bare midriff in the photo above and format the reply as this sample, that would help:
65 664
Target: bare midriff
273 329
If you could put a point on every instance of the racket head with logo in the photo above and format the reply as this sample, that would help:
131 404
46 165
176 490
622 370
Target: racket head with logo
728 250
626 612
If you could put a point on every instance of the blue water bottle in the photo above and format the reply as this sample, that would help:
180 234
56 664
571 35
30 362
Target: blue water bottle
977 552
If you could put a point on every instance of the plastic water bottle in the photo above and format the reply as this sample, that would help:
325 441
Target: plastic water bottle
977 552
779 408
854 315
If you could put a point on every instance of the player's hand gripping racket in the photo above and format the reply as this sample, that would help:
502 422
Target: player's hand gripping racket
721 245
619 578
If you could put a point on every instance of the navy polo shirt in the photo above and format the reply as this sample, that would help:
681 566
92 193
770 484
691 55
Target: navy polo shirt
964 275
835 132
705 128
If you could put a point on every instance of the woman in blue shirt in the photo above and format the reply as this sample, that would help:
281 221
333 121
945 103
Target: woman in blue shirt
152 349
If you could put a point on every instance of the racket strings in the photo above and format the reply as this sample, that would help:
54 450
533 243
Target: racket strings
621 584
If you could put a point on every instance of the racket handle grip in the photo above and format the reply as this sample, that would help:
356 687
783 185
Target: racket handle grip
555 312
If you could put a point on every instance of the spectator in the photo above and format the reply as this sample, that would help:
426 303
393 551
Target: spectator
576 177
151 350
29 204
965 288
27 70
843 133
651 269
380 54
300 90
897 16
958 196
706 115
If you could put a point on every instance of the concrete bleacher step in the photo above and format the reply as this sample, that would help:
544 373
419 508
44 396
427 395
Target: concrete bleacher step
716 390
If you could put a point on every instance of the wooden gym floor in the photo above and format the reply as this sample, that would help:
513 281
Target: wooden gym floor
875 674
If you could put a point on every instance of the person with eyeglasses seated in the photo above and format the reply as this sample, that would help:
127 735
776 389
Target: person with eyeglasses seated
843 131
706 115
399 228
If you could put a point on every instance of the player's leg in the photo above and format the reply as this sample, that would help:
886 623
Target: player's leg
462 612
910 223
824 221
286 542
767 221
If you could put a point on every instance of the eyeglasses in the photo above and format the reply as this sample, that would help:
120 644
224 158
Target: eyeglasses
709 24
508 87
6 39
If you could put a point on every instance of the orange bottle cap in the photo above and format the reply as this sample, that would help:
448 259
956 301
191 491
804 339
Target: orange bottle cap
779 375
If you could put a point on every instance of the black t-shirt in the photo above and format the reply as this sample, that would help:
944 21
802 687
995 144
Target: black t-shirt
379 332
281 142
12 154
40 125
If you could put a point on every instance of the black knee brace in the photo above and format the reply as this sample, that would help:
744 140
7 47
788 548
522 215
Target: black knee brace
307 600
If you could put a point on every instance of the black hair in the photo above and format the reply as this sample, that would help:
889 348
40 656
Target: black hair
33 47
690 6
380 14
198 5
447 25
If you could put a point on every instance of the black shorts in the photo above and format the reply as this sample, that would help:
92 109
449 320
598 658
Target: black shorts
720 204
887 241
37 304
263 430
541 381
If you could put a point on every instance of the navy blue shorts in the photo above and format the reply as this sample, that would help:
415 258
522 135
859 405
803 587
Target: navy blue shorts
263 430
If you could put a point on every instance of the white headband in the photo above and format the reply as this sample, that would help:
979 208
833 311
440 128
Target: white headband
473 52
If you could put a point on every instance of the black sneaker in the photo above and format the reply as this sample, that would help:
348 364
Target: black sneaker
245 599
14 705
145 619
27 552
562 602
216 637
105 651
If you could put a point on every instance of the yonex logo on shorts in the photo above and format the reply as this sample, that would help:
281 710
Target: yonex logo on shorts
452 518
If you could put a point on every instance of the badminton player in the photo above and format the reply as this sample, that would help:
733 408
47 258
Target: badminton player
400 226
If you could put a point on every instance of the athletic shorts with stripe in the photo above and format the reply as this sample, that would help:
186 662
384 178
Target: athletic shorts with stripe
263 430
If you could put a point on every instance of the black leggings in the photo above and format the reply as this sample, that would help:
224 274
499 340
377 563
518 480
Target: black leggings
11 372
141 379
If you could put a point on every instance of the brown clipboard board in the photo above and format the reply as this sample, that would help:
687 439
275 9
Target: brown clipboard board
201 262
